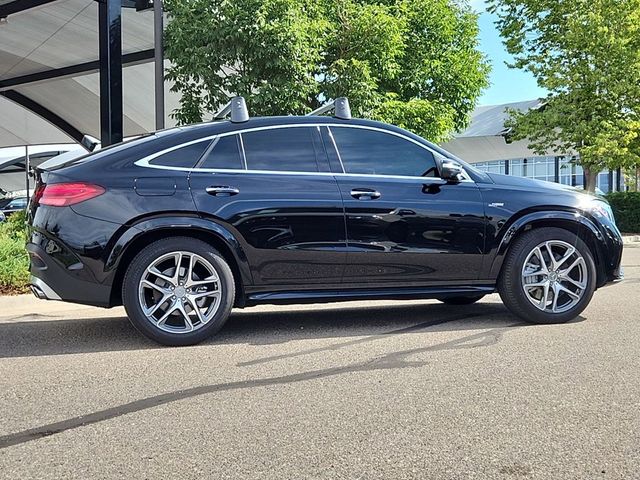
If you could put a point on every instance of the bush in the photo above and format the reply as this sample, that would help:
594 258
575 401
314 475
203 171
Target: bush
14 260
626 208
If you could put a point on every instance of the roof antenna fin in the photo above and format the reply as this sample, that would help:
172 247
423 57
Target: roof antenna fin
237 107
340 106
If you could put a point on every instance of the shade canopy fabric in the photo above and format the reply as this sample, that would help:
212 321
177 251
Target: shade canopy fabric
49 61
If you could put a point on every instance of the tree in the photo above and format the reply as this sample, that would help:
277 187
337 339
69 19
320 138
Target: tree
414 63
587 54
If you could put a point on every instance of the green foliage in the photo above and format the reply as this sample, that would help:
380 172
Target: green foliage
587 54
14 260
414 62
626 209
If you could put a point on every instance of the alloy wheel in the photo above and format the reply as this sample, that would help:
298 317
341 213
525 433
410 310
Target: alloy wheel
554 276
180 292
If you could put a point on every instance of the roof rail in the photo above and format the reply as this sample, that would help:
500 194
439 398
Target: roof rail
340 106
237 107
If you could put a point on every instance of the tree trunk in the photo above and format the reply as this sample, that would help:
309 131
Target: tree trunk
590 178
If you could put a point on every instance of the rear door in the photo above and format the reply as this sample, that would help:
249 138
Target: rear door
405 226
273 188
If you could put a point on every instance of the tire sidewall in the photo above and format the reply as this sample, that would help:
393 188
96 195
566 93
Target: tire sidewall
137 268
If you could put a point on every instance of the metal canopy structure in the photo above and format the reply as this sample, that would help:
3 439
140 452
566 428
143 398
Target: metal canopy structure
84 66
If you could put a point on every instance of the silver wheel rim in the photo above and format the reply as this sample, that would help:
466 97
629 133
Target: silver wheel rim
180 292
554 276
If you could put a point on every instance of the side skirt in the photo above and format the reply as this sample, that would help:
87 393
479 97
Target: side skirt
327 296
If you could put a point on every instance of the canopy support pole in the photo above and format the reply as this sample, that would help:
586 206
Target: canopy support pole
110 39
158 29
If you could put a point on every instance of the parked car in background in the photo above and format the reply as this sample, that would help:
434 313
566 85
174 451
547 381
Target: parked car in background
15 205
184 224
2 217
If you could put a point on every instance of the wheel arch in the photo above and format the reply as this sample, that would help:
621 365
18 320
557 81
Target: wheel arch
142 234
573 222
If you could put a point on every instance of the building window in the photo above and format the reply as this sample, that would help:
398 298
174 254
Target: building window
497 166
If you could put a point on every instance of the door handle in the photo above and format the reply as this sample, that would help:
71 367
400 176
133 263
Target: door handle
365 194
220 191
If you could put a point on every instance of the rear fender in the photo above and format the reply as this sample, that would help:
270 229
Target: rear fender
176 225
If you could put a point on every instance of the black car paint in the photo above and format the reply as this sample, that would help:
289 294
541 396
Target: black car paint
299 237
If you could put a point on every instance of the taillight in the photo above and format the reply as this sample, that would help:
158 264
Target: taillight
64 194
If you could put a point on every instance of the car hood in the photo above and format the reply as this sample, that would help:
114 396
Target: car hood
530 184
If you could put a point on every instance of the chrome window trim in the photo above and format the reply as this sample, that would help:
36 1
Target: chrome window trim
144 162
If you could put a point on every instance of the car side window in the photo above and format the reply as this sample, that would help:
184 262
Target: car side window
291 149
223 154
373 152
185 157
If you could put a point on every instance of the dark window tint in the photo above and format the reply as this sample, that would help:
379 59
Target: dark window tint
185 157
282 149
378 153
225 153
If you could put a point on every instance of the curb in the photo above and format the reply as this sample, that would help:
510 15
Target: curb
631 239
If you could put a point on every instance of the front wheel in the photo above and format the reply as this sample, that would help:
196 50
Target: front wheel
549 276
178 291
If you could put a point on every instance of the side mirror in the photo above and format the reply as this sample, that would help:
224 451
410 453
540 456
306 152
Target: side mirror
450 171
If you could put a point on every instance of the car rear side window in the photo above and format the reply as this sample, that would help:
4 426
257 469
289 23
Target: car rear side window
373 152
224 154
185 157
291 149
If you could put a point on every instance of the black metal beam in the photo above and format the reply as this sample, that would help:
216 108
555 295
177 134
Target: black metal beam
20 6
44 113
110 47
86 68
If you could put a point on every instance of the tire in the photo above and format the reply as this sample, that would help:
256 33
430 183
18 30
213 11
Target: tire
182 310
465 300
529 302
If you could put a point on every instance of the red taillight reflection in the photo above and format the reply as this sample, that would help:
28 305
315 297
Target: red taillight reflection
64 194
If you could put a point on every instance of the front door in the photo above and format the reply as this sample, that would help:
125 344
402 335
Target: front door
272 187
405 226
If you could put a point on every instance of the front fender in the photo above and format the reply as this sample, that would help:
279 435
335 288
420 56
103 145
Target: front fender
573 220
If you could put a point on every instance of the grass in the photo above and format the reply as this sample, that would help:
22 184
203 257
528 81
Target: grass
14 260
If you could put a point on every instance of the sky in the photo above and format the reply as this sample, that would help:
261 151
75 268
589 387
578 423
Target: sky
507 84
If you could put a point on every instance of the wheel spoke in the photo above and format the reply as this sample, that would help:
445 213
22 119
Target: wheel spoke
149 312
573 295
554 305
576 262
194 306
198 296
581 286
188 325
545 296
148 284
551 257
176 275
543 265
159 274
570 251
162 320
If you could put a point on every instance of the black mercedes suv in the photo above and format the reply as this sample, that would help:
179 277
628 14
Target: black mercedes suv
184 224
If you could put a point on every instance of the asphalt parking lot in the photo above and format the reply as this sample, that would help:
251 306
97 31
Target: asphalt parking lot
358 390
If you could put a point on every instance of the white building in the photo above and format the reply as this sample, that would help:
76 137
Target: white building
484 144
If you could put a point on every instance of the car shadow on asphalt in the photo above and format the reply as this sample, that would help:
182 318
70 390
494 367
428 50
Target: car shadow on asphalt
86 335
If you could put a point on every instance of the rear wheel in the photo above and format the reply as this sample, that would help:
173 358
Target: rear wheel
466 300
178 291
549 276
